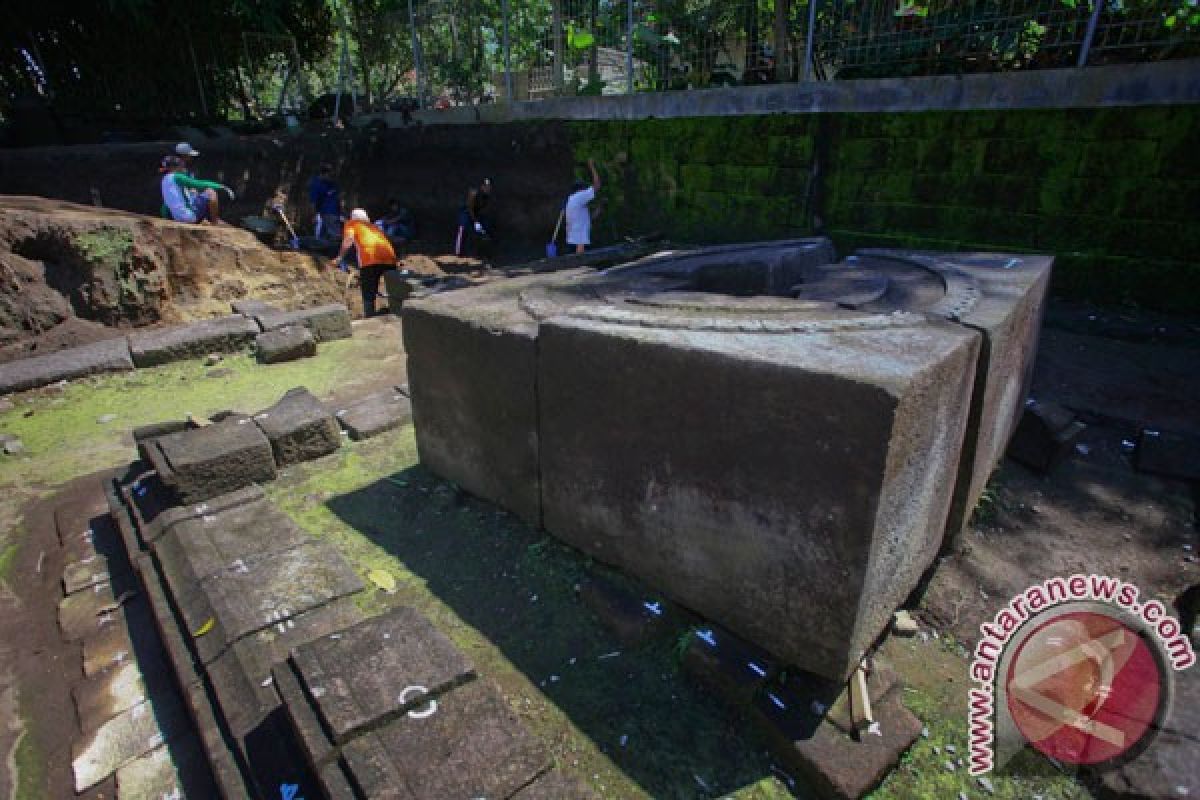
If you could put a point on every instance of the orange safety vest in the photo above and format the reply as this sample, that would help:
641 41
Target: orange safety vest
372 245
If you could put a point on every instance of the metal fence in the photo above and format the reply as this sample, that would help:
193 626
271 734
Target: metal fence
546 48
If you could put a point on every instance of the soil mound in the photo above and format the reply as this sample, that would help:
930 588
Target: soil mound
64 265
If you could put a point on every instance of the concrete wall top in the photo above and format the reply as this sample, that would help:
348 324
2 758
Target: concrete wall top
1161 83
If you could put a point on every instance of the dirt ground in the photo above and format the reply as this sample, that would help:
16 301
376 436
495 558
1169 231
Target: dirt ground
1095 513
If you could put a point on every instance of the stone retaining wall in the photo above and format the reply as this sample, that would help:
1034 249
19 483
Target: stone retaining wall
1107 191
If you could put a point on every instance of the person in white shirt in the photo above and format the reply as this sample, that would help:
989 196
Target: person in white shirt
579 216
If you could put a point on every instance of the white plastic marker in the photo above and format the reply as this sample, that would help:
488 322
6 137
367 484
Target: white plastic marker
430 709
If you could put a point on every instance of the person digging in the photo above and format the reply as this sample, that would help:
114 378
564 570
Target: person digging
373 252
579 216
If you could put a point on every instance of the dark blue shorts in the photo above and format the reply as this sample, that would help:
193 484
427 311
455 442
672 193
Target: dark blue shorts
200 206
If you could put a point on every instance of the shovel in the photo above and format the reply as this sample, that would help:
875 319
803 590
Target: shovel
552 245
295 242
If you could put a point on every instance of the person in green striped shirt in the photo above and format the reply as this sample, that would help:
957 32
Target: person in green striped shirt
190 199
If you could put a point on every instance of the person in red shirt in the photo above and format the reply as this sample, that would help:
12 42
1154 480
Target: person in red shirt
374 254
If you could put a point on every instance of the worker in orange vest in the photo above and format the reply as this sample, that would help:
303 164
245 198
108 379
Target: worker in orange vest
374 254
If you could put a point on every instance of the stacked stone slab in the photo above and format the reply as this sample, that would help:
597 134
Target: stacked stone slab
287 685
222 335
284 344
299 428
326 323
111 355
199 463
163 345
374 414
390 708
236 589
233 585
771 439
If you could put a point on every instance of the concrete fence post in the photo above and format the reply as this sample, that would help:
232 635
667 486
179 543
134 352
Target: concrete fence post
418 67
508 79
1093 21
808 40
557 33
629 47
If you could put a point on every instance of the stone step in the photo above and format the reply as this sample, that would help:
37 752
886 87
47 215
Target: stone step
467 743
110 355
132 733
221 335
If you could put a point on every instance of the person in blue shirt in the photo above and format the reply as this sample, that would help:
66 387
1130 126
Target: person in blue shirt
324 195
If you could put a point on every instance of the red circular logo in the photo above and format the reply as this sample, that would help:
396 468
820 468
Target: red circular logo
1084 688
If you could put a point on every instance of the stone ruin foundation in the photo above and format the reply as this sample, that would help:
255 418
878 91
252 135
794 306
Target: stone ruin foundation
777 440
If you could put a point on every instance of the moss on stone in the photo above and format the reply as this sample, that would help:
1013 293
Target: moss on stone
1084 184
108 246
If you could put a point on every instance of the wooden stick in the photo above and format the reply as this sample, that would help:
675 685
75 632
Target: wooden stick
860 703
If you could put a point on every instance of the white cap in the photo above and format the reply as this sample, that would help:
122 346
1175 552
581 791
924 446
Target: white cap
359 215
185 149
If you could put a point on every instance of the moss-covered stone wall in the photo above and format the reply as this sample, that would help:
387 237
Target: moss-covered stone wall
1114 193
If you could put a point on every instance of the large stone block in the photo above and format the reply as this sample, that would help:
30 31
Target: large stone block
201 463
285 344
326 322
739 472
1002 296
111 355
768 438
299 428
475 408
222 335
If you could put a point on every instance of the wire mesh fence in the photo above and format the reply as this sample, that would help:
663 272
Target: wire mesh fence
592 47
408 54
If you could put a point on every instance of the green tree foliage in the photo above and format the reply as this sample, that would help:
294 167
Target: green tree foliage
130 58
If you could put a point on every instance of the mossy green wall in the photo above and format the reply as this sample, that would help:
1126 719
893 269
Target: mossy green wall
1114 193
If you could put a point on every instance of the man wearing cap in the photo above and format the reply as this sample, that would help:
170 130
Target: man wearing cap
374 252
186 152
188 199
